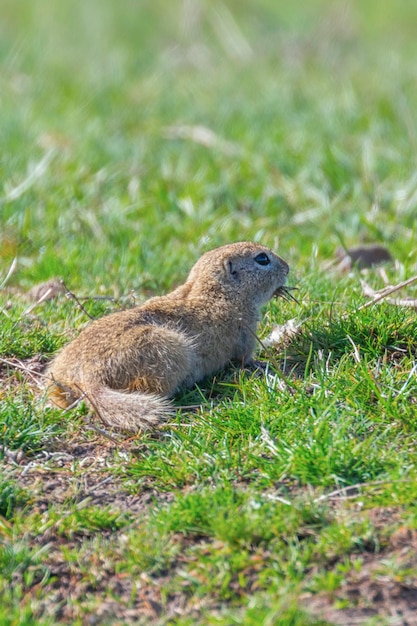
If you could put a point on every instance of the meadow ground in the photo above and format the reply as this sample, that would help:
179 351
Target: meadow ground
134 137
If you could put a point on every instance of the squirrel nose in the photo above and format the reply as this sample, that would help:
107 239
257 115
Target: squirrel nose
285 265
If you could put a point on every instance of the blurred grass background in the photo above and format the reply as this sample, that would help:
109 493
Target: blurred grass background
308 110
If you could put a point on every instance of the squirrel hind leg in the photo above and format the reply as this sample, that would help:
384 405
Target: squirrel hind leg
61 395
168 363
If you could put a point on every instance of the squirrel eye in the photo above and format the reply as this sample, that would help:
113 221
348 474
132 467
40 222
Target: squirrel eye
262 259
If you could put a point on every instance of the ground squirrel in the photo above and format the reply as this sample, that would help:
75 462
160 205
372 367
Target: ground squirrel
128 364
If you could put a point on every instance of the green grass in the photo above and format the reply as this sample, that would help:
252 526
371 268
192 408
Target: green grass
272 502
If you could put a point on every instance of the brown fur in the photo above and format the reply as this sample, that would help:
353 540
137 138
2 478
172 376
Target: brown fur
128 364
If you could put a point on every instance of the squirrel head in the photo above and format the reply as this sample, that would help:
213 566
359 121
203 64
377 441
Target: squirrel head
244 271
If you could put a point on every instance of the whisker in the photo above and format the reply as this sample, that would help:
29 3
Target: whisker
285 293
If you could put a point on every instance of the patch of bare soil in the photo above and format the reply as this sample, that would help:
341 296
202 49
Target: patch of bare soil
385 588
79 472
115 598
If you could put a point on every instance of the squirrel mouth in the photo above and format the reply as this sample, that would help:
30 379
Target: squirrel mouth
285 292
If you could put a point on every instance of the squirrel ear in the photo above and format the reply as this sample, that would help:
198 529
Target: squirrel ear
230 268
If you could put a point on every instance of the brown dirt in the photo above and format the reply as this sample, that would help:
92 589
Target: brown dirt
382 589
377 591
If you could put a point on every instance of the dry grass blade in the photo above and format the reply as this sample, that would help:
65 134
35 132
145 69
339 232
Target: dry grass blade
43 298
273 360
16 364
357 489
356 354
72 295
37 172
9 273
384 293
204 136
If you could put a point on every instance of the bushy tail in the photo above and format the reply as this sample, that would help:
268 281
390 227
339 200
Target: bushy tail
131 411
128 411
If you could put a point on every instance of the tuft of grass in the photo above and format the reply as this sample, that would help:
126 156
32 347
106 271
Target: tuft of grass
25 338
12 495
380 332
82 520
25 424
